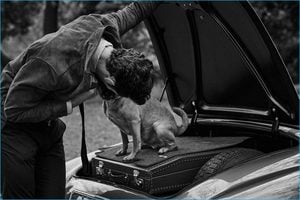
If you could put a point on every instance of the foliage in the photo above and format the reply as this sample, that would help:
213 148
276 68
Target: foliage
69 11
18 17
281 19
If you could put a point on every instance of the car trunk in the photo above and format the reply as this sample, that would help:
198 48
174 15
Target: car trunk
185 164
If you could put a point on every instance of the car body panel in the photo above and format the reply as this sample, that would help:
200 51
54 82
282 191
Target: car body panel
94 190
270 176
227 65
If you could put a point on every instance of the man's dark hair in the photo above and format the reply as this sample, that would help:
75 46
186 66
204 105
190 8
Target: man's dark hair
132 72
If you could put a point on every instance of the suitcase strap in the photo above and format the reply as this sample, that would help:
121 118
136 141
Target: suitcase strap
84 158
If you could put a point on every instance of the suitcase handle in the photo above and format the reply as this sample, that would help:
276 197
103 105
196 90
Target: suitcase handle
138 181
123 178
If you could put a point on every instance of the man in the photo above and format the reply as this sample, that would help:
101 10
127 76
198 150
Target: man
53 75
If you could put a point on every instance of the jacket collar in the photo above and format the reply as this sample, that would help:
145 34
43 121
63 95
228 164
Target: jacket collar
108 32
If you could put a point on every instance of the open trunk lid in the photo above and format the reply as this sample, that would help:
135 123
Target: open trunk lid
220 56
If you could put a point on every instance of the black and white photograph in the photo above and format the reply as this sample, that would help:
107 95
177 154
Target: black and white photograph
191 100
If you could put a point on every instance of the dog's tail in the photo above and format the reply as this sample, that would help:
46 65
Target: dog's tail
184 118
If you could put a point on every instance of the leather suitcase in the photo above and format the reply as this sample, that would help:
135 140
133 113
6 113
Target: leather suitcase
157 174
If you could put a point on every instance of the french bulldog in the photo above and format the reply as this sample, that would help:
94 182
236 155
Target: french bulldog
151 124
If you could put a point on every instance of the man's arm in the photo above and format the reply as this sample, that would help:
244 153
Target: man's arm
132 15
27 100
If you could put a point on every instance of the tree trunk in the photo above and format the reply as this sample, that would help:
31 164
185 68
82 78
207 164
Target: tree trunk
50 24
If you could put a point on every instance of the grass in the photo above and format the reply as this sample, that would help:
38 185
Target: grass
99 130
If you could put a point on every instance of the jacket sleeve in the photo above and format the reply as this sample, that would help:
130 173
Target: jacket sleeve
132 15
28 96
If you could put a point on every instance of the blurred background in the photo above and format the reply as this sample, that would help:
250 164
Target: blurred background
25 22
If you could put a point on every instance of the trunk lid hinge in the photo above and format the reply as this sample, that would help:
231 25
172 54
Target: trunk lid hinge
275 124
195 114
166 83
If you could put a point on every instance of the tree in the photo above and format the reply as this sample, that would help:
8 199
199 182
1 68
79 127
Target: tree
281 19
16 19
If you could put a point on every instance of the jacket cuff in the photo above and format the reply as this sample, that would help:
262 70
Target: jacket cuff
69 107
59 109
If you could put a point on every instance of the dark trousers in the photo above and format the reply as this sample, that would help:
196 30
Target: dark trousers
33 160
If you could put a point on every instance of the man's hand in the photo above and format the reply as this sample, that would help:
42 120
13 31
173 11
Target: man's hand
83 97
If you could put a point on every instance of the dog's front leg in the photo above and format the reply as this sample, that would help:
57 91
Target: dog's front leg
136 137
124 148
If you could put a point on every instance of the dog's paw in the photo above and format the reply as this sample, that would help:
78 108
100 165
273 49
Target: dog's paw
167 149
121 152
129 158
163 150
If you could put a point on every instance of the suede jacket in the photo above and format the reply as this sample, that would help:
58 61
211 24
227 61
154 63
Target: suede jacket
37 84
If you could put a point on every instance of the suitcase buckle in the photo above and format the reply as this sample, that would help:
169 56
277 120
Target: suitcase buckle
99 168
138 181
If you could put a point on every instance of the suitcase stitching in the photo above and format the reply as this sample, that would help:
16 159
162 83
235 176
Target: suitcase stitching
166 161
177 163
168 187
173 165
